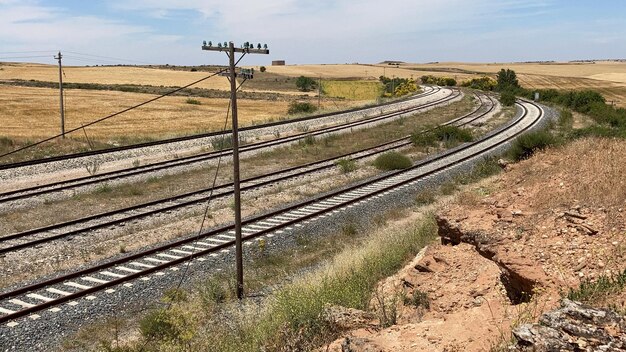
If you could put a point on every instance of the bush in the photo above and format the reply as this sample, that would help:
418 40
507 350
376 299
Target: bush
527 144
305 84
507 98
301 107
262 69
346 165
483 83
440 81
166 325
194 101
446 134
392 161
220 143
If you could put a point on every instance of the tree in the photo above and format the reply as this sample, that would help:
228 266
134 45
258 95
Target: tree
507 80
305 84
262 69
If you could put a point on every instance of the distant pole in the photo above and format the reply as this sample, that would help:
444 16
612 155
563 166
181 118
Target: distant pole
232 75
59 57
319 93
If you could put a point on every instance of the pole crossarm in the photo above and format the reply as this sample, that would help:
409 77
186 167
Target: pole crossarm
237 50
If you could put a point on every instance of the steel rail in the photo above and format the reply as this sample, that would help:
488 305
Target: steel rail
153 167
321 205
225 190
196 136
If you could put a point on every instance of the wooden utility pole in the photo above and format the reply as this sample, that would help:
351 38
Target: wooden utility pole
232 75
59 57
319 93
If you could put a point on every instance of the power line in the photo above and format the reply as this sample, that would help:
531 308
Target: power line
24 57
27 52
109 57
110 116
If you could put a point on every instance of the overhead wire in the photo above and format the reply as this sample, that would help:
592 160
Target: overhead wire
109 57
111 115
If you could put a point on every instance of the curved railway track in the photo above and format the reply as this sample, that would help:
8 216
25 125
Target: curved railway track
206 157
67 288
33 237
428 90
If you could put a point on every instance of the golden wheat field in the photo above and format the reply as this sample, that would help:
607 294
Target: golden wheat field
34 113
112 75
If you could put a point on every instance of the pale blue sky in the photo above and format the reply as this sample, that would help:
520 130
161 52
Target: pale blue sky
313 31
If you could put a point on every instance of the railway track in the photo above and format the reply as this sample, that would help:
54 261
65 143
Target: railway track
50 294
428 90
206 157
34 237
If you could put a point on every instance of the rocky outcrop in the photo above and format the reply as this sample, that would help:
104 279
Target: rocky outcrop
573 327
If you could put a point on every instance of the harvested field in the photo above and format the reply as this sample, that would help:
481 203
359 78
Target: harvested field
33 113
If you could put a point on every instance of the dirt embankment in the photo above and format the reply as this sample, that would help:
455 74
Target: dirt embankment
511 246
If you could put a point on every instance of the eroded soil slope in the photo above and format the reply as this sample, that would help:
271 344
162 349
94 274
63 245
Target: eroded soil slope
511 246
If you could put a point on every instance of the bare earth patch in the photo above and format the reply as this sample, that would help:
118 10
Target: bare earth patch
513 245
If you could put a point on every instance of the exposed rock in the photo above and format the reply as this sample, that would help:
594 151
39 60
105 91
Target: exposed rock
573 327
348 318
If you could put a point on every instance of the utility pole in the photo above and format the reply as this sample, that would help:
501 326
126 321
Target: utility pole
61 94
230 52
319 93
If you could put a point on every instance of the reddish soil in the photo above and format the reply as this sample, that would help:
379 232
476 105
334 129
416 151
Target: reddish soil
508 256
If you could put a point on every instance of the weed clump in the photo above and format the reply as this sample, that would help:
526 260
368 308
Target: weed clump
346 165
527 144
392 161
193 101
301 108
445 134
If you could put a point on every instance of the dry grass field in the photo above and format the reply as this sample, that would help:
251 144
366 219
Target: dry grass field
33 113
353 90
111 75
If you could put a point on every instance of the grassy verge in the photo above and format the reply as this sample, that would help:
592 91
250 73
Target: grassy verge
292 318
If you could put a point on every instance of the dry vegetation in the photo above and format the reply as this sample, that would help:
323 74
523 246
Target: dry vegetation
609 78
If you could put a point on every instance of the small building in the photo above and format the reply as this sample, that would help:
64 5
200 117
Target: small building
278 63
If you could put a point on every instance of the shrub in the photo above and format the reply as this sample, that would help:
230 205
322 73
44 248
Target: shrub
527 144
418 299
224 142
305 84
346 165
453 134
262 69
440 81
168 325
483 83
307 140
566 119
392 161
301 107
193 101
507 98
446 134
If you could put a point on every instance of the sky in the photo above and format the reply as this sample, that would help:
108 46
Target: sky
312 31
